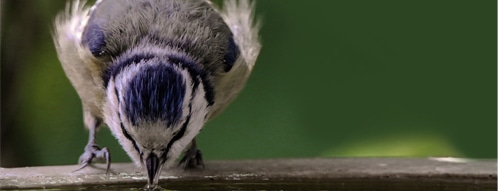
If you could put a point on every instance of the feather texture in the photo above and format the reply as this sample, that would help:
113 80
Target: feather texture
81 68
239 16
156 70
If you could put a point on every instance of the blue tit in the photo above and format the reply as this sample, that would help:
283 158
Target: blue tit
155 71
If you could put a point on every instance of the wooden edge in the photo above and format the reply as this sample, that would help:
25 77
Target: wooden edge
318 173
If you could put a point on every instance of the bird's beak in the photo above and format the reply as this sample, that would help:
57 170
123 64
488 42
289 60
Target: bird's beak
153 167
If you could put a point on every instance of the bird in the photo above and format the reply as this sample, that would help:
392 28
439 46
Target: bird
155 71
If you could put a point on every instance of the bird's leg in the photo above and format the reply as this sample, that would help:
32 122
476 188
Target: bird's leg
192 158
92 150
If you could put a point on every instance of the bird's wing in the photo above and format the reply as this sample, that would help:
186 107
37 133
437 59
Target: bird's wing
239 16
80 66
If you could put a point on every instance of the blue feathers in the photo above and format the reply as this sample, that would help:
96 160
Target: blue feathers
156 93
231 55
195 71
153 87
94 38
115 69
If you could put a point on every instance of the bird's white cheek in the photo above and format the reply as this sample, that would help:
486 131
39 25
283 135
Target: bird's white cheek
113 120
197 120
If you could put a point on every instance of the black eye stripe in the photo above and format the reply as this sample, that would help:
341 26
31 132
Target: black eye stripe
123 130
177 136
125 133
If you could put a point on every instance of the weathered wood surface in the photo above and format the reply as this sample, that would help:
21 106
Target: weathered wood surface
296 174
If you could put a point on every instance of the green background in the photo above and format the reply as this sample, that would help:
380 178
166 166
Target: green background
334 79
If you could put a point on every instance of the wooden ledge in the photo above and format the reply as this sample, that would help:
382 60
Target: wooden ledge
303 174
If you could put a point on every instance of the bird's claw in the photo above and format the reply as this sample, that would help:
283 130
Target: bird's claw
192 159
94 152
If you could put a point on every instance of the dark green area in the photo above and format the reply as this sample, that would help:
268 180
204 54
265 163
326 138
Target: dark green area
334 78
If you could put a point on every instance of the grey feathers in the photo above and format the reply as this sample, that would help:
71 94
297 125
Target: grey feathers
156 70
116 26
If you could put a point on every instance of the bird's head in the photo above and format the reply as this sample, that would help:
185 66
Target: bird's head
155 105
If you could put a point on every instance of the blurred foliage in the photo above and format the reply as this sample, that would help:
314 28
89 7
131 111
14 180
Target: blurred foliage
334 78
415 145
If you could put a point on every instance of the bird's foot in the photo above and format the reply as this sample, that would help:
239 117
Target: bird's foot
192 159
93 151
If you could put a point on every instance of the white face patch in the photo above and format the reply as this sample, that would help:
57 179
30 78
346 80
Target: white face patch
197 120
154 136
114 121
